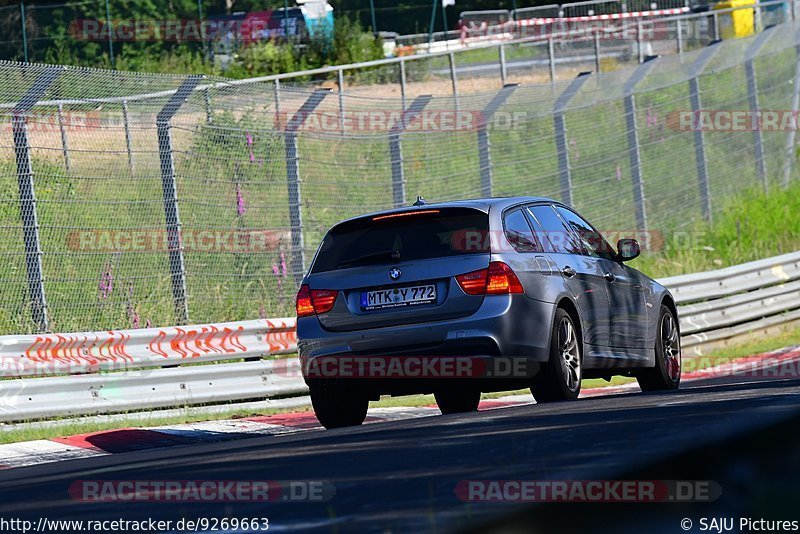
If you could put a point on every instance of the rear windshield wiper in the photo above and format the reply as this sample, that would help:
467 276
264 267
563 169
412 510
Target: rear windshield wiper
373 257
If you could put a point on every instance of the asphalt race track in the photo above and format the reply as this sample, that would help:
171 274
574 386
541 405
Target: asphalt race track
400 476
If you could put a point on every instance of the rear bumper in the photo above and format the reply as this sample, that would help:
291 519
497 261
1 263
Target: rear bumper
507 330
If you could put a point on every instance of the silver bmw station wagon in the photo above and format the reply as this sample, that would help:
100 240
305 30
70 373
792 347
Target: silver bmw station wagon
460 298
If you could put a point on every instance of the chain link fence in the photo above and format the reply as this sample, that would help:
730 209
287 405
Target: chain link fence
133 200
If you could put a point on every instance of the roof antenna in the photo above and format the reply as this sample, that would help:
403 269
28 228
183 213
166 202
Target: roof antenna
420 201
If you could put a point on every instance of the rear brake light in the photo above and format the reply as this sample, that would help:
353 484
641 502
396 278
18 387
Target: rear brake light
303 304
502 280
311 301
498 279
404 214
323 299
473 283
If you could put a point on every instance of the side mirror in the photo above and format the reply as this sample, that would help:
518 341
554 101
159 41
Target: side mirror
628 249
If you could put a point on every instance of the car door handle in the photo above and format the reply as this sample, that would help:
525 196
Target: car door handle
610 277
569 272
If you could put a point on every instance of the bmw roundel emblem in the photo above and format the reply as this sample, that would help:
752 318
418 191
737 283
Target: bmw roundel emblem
395 273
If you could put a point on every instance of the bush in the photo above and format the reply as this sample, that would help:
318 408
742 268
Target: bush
266 58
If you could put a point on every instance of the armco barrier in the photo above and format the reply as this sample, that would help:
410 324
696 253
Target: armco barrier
80 353
715 307
718 306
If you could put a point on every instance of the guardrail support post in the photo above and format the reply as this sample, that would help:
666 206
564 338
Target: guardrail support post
484 147
64 141
27 195
752 94
293 180
633 142
562 151
171 213
128 141
790 137
699 139
396 148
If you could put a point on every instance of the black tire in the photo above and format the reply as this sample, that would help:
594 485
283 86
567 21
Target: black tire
458 401
560 378
336 407
666 375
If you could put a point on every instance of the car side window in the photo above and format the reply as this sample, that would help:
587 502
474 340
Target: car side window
593 242
519 233
556 237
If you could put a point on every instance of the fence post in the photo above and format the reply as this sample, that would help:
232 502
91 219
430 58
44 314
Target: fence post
503 67
564 172
177 266
396 148
752 94
484 148
64 141
403 82
453 76
696 70
23 18
597 52
277 97
340 85
551 59
207 99
293 180
128 139
639 44
633 142
790 137
680 36
27 195
716 26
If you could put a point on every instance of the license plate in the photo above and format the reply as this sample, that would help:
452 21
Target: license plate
398 297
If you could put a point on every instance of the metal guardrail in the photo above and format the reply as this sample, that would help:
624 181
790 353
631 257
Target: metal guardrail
92 352
714 307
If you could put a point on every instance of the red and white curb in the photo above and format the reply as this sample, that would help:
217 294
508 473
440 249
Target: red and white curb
768 365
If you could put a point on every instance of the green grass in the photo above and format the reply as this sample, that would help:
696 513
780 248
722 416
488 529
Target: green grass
785 338
750 226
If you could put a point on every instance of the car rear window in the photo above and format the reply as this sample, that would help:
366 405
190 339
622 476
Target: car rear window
406 236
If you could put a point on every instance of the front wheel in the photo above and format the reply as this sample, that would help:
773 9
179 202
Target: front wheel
560 378
335 407
666 375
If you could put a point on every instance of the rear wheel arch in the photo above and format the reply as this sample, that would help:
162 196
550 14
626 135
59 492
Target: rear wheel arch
567 305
